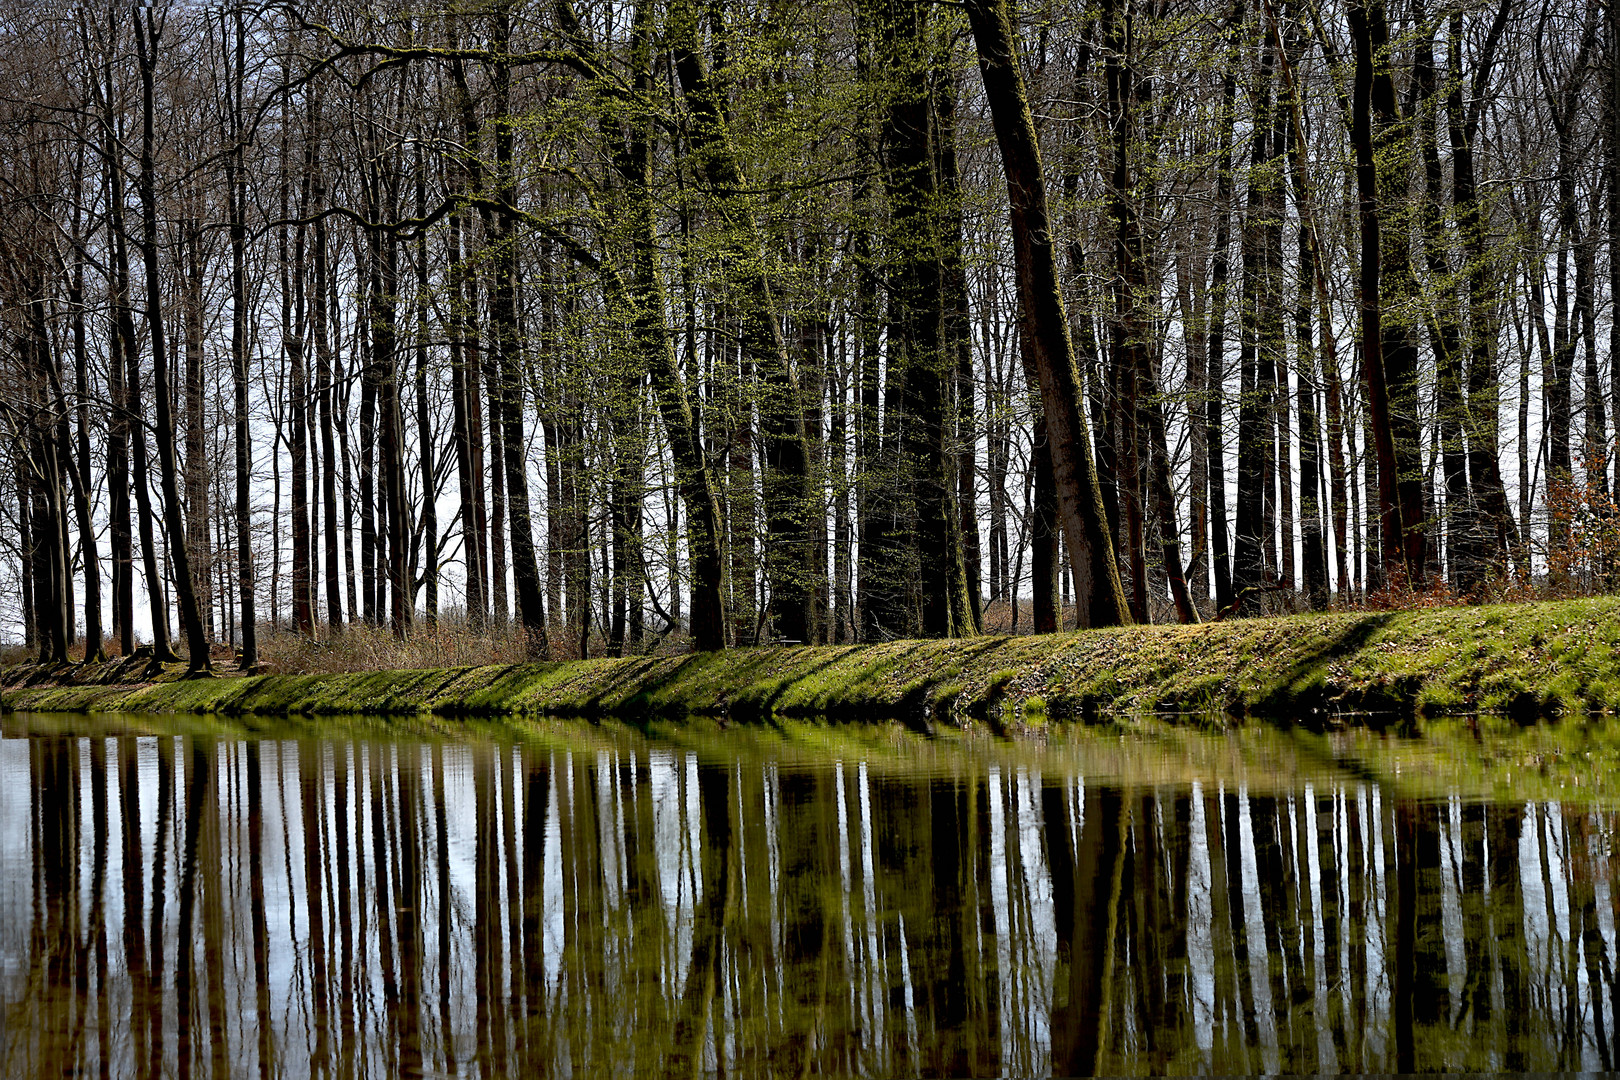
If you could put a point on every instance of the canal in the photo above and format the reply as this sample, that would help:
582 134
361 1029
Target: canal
182 899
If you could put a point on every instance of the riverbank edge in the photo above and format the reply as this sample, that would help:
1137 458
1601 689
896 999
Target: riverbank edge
1526 660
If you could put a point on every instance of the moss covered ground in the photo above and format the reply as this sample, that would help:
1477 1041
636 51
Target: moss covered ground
1524 660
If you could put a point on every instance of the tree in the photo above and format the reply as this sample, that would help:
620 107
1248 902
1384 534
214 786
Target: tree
1098 593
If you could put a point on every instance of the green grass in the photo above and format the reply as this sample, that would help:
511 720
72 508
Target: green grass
1523 660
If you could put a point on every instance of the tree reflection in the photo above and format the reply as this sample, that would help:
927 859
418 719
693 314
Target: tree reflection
191 907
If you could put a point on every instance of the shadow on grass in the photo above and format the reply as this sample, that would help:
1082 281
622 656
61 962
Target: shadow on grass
854 682
1305 691
751 685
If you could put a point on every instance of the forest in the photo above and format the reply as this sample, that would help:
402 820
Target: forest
586 327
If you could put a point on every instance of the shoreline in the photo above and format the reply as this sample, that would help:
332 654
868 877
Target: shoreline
1525 660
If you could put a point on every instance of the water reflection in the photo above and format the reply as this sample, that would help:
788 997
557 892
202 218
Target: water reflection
185 906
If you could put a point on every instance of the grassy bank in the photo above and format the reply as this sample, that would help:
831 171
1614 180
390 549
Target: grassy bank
1525 660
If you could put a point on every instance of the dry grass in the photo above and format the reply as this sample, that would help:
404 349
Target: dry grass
375 648
448 642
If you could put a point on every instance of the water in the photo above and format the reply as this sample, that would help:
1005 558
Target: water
190 900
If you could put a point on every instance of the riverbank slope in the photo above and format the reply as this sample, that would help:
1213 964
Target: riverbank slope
1523 659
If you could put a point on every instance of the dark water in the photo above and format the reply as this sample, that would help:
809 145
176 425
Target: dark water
592 902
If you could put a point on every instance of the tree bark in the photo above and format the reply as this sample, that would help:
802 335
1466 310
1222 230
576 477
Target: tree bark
692 472
126 414
1100 598
236 181
385 358
1215 343
1045 562
295 338
466 380
1446 331
1611 136
786 486
83 481
917 350
1132 328
325 390
196 466
1313 276
146 46
958 340
504 329
875 485
368 455
424 418
157 600
467 428
1370 37
1259 316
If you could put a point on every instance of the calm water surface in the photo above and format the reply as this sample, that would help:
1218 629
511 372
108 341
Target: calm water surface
176 901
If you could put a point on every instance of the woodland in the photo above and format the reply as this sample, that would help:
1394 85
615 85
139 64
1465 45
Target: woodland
606 326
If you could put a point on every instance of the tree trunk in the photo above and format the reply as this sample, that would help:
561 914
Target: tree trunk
1313 546
26 554
1611 136
126 451
343 390
1140 404
325 390
294 337
1446 332
174 525
489 366
81 471
121 548
1370 37
958 344
1312 276
466 381
1127 361
424 419
1275 363
1259 314
196 466
843 600
157 600
1045 563
1398 285
45 436
466 426
1215 344
1193 297
385 358
786 485
368 454
625 495
1100 596
878 609
531 600
917 351
692 472
236 181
